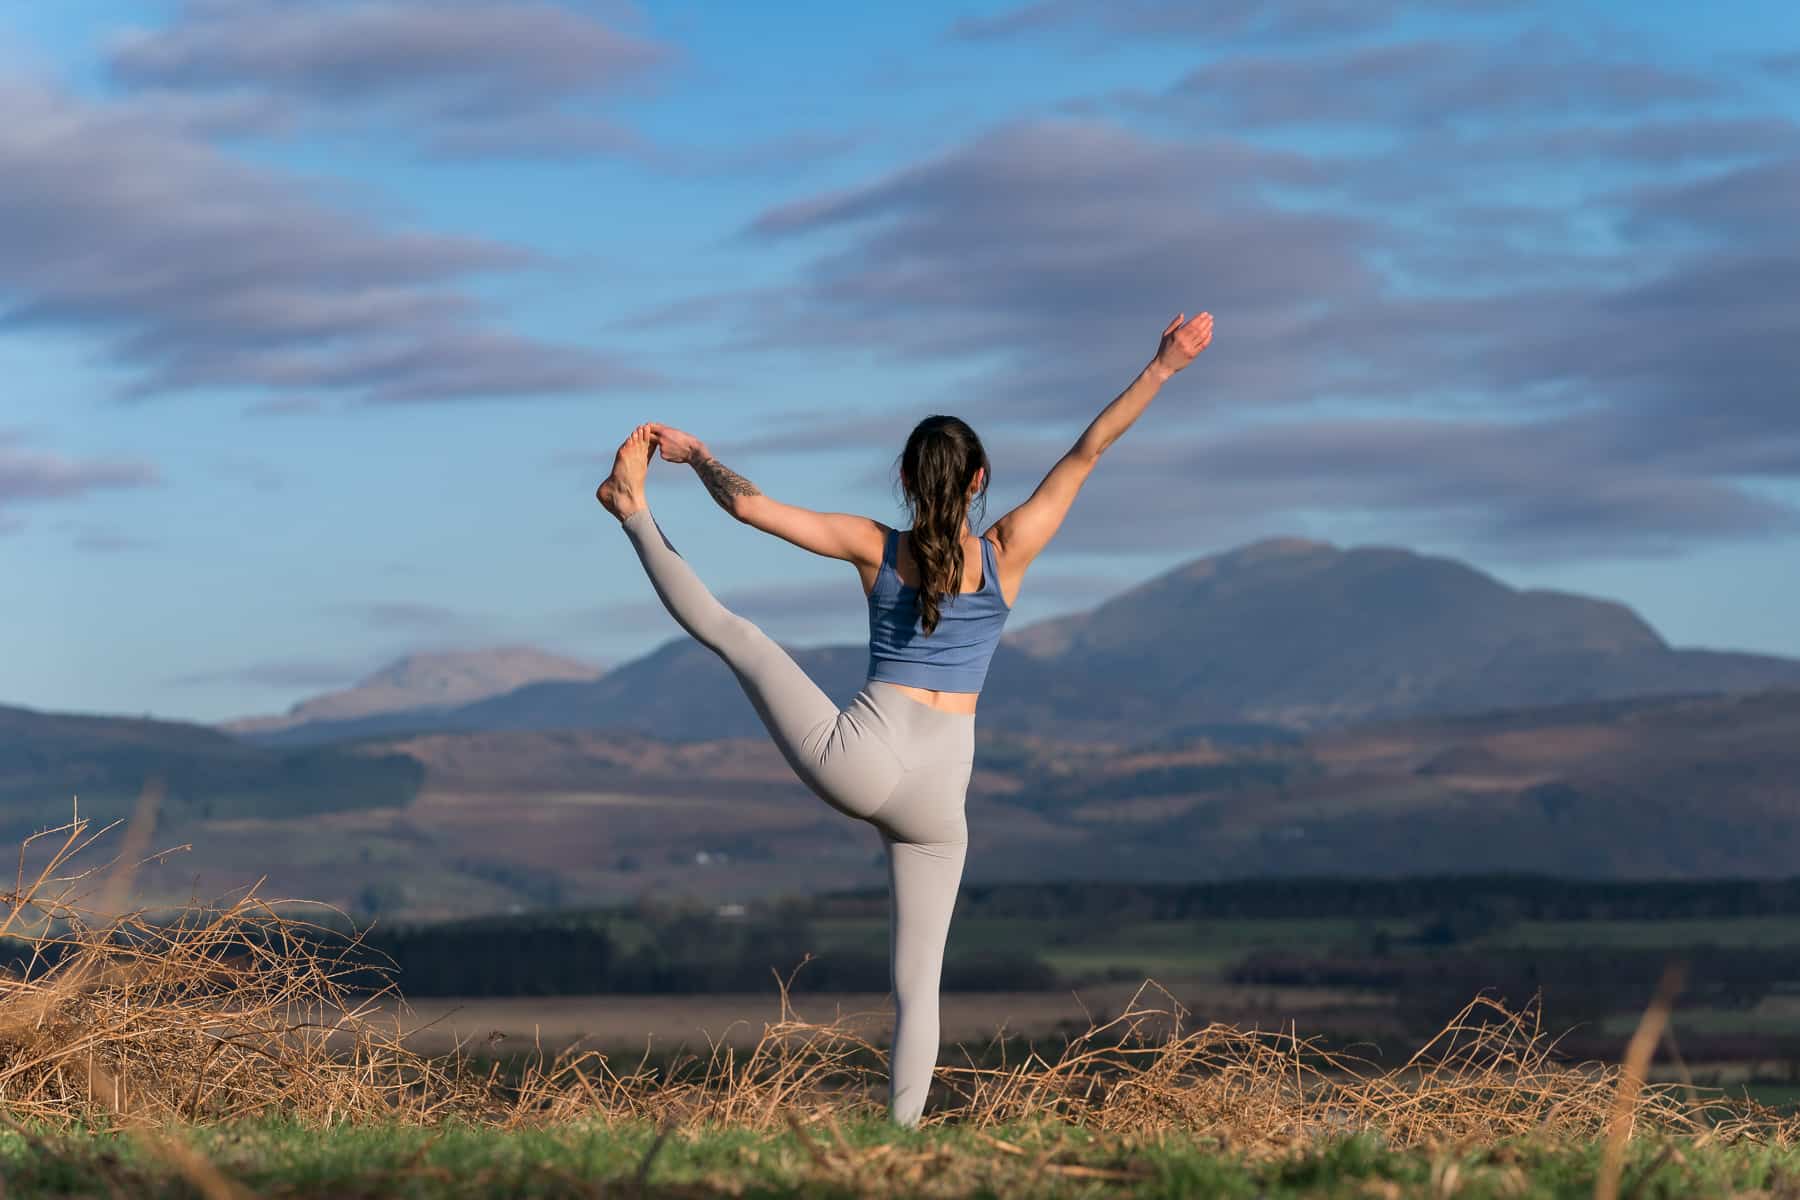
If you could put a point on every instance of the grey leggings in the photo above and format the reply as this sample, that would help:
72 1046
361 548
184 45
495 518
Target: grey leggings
885 758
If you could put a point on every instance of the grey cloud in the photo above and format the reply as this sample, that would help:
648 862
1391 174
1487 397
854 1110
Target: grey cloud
790 151
30 476
1556 488
407 617
1785 65
1201 19
281 674
813 609
1757 200
96 540
1651 373
216 114
203 272
1428 82
480 75
1656 144
462 79
1056 245
1068 590
285 406
818 429
254 473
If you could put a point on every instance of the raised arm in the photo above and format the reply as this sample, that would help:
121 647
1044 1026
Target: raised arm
1024 532
834 535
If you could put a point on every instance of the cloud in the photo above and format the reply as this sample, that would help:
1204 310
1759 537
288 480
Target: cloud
202 272
1420 83
1632 314
1654 144
801 148
1560 486
1785 65
34 475
459 80
97 539
813 430
477 77
1207 20
285 674
37 476
285 406
254 473
815 611
1051 249
407 617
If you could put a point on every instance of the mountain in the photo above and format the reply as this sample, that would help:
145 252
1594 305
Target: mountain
1304 635
1285 633
422 683
49 760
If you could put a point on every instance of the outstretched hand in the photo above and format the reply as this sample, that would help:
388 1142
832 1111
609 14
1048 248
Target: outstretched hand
677 446
1181 344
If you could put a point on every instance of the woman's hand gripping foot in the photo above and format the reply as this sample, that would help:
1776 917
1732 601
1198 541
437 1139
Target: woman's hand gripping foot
622 493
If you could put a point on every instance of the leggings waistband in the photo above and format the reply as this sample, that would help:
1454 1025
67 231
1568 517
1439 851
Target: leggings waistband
916 731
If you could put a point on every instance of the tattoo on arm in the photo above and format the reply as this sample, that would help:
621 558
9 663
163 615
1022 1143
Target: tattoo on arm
725 484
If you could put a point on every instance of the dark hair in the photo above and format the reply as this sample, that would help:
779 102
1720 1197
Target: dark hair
939 463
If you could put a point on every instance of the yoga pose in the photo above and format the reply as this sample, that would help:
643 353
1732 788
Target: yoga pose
900 754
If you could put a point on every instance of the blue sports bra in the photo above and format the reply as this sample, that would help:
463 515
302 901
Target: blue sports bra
954 657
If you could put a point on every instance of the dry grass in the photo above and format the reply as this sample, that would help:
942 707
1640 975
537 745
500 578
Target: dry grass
242 1010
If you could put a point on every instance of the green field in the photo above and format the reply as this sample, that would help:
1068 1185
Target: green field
1202 948
1192 949
1665 934
858 1159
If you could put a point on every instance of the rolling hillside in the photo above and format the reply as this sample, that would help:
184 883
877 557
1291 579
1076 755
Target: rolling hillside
1661 788
48 760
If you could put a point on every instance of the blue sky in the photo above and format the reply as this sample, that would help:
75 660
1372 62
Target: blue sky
323 319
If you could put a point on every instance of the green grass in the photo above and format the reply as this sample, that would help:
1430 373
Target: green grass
579 1161
1766 1020
1653 935
1198 949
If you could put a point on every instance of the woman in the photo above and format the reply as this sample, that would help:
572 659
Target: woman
900 754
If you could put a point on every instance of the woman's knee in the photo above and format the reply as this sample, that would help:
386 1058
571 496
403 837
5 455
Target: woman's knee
726 634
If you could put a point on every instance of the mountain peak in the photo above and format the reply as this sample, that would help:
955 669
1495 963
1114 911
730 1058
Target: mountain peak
1277 547
431 680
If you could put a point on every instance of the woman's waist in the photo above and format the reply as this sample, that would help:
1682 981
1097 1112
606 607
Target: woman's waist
949 702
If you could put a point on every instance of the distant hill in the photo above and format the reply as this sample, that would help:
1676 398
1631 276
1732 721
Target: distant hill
1285 633
1305 635
1673 787
49 759
421 683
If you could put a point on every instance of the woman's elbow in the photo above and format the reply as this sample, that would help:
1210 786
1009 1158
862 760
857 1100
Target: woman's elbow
1088 450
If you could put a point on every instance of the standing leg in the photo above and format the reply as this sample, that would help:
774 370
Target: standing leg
924 878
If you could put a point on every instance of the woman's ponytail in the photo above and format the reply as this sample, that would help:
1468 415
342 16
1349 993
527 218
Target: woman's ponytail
940 462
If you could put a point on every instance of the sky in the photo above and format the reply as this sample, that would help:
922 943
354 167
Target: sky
320 321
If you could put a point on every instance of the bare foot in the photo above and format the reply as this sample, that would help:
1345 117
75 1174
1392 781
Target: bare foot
623 491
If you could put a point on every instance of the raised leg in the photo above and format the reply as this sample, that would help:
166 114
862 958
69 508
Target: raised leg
790 704
924 878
